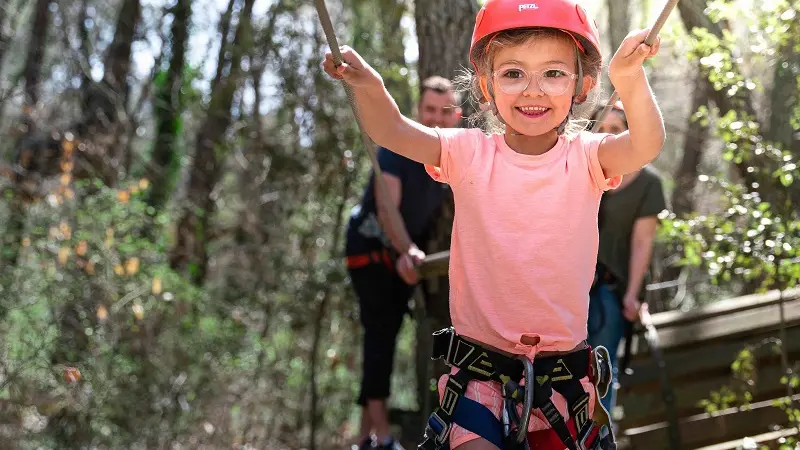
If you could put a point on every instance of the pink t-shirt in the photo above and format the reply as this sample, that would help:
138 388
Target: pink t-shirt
524 242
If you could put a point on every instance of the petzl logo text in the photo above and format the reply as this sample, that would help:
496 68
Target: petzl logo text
526 6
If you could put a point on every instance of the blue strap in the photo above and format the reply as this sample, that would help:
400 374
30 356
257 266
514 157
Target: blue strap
474 417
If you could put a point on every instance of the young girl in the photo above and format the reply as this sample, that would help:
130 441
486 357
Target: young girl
525 237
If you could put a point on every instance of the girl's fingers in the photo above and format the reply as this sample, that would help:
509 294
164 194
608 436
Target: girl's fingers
656 46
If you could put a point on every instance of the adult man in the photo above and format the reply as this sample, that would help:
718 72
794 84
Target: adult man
384 287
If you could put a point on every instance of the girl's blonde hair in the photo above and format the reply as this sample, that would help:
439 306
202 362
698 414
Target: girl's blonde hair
483 55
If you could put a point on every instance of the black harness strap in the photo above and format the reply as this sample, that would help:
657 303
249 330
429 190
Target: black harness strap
563 374
473 363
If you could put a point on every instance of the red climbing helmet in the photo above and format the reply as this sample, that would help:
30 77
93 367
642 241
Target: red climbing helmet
566 15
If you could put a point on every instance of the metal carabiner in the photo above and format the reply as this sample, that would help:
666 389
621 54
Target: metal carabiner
527 404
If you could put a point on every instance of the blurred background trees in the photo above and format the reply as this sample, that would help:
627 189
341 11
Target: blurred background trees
177 176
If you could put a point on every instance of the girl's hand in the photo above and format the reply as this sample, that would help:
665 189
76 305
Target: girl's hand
353 70
628 61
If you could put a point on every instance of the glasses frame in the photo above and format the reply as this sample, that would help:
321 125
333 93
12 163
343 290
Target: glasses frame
530 75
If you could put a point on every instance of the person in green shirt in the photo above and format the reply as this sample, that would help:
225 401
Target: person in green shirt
627 221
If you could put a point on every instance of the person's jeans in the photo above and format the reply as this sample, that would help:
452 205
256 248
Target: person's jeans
606 327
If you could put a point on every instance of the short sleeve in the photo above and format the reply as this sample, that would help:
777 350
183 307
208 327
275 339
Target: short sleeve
394 164
458 149
654 201
591 145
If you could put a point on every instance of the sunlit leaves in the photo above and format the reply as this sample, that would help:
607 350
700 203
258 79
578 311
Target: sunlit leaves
92 285
156 286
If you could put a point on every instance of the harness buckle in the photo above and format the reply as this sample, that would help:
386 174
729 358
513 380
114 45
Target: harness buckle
601 366
438 427
450 348
449 354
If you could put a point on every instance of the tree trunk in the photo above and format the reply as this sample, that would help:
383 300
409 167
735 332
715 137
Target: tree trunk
105 103
6 29
224 30
783 98
32 71
168 106
391 13
444 31
190 252
619 23
695 141
28 154
118 59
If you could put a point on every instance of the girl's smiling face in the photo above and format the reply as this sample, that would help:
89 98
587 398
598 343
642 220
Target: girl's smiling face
533 83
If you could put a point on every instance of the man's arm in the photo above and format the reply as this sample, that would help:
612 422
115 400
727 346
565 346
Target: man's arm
398 235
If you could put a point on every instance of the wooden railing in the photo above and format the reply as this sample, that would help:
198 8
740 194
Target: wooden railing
698 348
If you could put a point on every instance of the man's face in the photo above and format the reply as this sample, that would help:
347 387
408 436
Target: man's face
438 110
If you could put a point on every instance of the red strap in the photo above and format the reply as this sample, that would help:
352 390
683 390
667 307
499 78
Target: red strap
549 440
365 259
357 261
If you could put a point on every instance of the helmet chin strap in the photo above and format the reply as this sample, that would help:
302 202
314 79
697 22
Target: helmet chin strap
562 127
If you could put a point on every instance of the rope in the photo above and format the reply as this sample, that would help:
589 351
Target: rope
395 219
651 37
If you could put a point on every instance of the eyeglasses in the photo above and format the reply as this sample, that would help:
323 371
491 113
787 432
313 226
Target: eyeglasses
551 81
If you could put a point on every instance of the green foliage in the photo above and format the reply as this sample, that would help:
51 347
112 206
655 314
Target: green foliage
744 370
754 234
94 292
754 237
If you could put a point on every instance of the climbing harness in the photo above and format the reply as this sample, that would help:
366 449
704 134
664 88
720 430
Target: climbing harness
542 376
651 37
396 221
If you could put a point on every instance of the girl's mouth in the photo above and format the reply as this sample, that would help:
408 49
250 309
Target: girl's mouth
533 112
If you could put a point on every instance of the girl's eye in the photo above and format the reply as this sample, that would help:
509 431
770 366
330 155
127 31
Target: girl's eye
513 73
554 73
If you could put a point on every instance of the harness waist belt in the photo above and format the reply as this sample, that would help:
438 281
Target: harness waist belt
457 351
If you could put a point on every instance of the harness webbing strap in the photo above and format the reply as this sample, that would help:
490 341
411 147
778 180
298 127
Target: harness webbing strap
441 420
476 418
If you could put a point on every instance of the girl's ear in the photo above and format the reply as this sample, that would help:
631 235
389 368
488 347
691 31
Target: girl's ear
483 82
588 84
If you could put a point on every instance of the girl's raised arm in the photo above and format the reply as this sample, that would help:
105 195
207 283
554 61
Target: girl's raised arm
379 113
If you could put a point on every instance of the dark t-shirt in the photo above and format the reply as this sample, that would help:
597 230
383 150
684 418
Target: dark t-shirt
420 198
619 210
